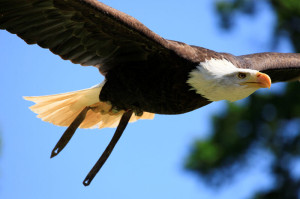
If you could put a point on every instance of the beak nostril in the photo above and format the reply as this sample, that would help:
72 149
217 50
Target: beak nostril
258 75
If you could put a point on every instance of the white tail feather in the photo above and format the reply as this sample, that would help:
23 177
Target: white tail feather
62 109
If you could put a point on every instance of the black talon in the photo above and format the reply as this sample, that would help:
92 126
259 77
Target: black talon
65 138
119 131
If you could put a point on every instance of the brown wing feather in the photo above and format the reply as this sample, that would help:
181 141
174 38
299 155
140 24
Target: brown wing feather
280 67
86 32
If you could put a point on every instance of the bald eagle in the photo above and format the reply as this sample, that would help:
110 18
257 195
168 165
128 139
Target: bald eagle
145 74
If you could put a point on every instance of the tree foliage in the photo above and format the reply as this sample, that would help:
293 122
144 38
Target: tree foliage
269 123
287 13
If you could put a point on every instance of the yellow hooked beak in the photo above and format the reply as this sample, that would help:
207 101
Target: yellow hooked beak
259 80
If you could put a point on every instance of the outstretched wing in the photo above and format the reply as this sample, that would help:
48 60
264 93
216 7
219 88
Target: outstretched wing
86 32
281 67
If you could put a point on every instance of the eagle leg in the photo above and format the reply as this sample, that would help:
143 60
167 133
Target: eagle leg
65 138
119 131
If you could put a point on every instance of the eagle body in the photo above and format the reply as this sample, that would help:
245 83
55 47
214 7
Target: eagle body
145 74
152 86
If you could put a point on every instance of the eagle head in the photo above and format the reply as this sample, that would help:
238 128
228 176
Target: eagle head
217 79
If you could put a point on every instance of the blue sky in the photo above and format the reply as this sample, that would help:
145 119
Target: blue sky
148 160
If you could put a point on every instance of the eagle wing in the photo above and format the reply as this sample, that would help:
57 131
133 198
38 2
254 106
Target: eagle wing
281 67
87 32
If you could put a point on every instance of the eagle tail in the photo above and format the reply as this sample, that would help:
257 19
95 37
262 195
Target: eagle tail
62 109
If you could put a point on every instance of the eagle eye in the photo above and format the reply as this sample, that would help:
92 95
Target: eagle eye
242 75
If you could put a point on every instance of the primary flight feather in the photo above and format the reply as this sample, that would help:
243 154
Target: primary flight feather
145 74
